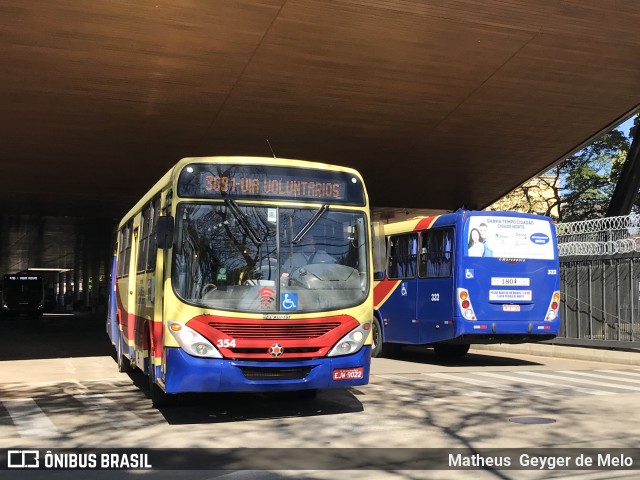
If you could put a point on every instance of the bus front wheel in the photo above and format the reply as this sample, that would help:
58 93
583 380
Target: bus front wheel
451 351
378 347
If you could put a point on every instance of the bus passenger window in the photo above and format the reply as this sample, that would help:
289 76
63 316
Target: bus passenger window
392 265
403 251
423 257
436 253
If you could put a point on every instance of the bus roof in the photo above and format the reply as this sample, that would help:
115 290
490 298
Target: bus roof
168 178
448 219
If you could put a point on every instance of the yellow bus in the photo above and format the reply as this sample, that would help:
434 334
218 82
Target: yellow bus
245 274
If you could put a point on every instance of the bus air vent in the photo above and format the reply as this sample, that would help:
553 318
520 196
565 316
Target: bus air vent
277 373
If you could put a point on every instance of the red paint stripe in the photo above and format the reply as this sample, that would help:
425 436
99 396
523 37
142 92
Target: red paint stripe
426 223
157 334
133 329
382 289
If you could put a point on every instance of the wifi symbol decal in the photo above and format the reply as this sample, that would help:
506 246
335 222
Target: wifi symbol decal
266 296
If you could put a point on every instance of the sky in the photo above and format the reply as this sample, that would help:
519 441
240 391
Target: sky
626 125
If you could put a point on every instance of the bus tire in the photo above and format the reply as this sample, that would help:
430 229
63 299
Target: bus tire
124 365
380 349
451 350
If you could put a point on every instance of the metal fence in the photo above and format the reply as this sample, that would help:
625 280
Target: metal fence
600 278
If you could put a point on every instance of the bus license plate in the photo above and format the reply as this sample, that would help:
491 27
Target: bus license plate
510 308
348 373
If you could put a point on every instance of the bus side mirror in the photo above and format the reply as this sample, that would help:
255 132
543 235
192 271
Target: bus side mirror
164 232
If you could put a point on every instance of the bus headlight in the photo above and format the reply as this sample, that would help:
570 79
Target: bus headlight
352 341
192 342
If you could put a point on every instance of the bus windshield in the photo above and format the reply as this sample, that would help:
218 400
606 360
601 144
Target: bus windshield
244 258
508 237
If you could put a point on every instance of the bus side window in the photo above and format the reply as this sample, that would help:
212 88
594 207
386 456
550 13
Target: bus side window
382 270
447 253
153 244
392 265
143 241
402 256
436 253
423 258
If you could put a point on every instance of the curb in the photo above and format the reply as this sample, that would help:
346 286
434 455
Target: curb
571 352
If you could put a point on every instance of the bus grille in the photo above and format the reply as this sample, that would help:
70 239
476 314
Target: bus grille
258 351
278 373
280 331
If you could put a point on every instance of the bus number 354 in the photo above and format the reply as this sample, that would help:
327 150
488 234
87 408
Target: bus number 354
226 343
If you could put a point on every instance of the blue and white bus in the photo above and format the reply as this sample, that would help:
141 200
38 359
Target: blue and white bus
467 277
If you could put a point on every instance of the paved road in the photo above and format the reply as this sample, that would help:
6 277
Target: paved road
60 388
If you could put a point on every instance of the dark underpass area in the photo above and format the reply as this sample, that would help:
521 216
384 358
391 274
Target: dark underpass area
54 335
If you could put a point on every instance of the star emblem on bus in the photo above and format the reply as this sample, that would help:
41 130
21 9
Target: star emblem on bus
276 350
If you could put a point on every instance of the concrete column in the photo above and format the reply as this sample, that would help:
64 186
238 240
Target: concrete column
77 264
68 296
86 274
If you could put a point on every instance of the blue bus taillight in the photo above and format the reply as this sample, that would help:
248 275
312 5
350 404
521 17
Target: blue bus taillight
552 311
464 302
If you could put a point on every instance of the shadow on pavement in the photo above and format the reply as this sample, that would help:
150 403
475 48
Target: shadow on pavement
199 408
54 336
427 356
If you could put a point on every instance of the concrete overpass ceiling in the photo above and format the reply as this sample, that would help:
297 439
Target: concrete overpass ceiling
439 104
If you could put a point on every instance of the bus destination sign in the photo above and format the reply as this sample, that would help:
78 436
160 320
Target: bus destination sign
247 181
282 186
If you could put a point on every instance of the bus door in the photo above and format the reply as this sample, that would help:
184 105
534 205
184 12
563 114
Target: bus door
112 317
145 277
158 273
132 291
435 287
399 311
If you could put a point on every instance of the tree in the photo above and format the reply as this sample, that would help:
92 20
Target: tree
589 177
539 195
580 187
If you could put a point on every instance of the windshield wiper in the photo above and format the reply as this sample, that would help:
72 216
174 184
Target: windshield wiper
312 221
242 220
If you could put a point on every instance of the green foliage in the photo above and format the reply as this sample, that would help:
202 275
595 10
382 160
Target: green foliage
579 188
588 178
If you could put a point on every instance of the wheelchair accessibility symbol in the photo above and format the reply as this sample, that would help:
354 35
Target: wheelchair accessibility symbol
289 301
468 273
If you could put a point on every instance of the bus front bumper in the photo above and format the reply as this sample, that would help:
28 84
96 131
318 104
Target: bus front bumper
185 373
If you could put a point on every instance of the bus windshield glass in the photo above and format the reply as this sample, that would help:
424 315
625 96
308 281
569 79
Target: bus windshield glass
236 257
508 237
